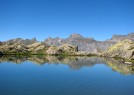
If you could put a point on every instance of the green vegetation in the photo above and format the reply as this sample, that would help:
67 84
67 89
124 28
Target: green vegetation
117 57
130 60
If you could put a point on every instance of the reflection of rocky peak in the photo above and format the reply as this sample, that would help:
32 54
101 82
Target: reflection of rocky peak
75 63
119 66
21 41
85 62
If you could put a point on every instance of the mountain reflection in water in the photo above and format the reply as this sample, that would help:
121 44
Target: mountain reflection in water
74 62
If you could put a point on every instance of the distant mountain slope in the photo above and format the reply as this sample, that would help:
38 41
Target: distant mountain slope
117 38
21 41
88 44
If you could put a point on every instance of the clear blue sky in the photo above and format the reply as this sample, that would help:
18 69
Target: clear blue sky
99 19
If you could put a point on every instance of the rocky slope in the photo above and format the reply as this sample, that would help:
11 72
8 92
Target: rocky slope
37 48
88 44
66 49
123 49
18 48
75 44
117 38
21 41
13 49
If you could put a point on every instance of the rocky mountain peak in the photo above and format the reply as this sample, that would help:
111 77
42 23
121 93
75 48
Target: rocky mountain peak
117 38
75 36
21 41
33 39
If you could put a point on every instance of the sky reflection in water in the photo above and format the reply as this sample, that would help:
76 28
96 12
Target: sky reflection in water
51 75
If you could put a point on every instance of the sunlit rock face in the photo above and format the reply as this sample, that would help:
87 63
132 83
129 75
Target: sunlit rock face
13 48
123 49
17 48
38 48
63 49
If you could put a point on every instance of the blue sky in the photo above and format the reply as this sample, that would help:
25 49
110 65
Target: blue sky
99 19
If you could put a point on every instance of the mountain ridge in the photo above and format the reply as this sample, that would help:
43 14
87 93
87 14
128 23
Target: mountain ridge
75 44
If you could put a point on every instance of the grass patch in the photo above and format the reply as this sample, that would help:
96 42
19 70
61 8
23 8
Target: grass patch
117 58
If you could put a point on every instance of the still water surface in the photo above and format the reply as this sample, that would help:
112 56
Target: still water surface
50 75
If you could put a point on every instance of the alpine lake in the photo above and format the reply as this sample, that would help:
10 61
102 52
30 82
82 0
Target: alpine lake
65 75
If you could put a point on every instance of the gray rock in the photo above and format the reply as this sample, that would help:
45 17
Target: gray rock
88 44
21 41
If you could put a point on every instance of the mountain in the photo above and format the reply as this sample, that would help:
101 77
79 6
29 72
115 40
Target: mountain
117 38
88 44
21 41
118 46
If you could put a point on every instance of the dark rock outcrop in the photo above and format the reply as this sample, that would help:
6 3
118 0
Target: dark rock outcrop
1 53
